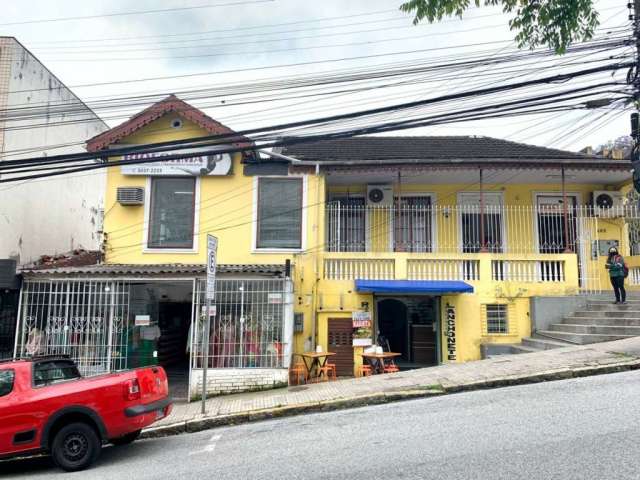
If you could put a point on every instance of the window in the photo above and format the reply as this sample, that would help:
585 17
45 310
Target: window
497 319
46 373
412 224
172 212
279 213
481 225
346 224
6 382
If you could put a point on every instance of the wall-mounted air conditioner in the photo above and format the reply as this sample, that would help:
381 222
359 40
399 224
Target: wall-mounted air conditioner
607 203
379 195
131 195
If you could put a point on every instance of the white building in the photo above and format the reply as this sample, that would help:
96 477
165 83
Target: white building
40 116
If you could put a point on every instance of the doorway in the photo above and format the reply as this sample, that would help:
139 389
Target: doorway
409 325
341 343
160 319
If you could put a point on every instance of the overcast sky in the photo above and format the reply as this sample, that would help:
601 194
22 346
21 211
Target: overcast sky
263 33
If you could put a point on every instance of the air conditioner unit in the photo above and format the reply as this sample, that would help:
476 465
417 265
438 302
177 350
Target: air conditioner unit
607 203
379 195
130 195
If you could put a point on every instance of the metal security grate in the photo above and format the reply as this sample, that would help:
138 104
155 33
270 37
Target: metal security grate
497 319
86 320
247 324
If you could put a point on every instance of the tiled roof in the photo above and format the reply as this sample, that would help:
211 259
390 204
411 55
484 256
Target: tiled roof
153 270
157 110
363 149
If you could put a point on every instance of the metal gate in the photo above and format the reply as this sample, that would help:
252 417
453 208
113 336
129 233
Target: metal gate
84 319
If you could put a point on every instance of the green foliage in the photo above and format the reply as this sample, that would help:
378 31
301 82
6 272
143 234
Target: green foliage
556 23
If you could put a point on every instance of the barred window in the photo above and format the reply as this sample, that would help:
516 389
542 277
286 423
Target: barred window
497 319
279 213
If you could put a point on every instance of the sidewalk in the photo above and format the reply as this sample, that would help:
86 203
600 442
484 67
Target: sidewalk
562 363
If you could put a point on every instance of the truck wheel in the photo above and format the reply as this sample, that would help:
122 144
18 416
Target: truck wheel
126 439
75 447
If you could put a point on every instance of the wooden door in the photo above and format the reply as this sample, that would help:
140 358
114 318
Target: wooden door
340 342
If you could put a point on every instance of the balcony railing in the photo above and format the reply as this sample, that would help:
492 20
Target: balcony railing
545 229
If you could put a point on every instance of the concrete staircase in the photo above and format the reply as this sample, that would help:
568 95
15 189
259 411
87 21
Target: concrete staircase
599 321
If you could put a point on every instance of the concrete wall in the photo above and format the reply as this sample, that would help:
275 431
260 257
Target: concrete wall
547 310
222 381
58 214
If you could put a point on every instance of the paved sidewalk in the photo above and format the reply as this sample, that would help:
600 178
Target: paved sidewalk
548 365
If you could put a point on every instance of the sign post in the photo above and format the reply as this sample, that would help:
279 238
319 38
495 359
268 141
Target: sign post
212 251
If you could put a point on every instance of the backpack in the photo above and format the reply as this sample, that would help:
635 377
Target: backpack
625 267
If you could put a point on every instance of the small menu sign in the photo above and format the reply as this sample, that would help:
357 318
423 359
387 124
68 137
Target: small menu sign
361 319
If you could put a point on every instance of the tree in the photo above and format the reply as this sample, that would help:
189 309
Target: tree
556 23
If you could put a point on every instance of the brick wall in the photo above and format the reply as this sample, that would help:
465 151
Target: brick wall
234 380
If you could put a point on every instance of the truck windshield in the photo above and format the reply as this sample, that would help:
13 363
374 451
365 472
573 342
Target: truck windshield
53 371
6 382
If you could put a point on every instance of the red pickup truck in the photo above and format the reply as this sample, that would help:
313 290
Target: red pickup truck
47 406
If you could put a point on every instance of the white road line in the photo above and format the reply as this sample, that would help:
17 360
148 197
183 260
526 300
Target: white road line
209 448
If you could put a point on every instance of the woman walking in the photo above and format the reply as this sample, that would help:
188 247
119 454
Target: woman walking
617 272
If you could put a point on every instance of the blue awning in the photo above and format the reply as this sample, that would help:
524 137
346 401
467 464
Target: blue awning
432 287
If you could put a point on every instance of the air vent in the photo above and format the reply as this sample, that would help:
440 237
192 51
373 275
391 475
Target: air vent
131 195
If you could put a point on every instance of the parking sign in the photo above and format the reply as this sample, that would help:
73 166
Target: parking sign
212 250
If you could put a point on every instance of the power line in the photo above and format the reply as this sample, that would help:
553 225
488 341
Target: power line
136 12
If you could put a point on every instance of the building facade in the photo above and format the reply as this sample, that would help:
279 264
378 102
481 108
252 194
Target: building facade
39 115
435 244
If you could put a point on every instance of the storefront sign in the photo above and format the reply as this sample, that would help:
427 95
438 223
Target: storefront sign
197 165
450 329
361 319
212 252
142 320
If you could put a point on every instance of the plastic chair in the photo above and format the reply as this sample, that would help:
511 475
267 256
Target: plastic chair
365 371
391 367
298 371
329 371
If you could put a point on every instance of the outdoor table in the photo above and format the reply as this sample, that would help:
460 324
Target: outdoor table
315 360
377 360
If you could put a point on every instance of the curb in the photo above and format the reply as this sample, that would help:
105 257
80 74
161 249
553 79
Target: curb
199 424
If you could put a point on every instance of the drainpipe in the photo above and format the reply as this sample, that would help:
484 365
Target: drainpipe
567 247
316 266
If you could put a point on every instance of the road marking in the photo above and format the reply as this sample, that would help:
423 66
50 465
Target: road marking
209 448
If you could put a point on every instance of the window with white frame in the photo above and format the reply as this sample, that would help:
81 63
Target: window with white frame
481 222
412 224
497 319
172 212
280 213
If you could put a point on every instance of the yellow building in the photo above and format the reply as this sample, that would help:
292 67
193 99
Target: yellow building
433 246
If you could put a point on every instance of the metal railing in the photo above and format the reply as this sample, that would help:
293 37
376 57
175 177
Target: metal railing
519 229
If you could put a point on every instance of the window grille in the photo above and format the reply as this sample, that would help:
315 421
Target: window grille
247 324
86 320
497 319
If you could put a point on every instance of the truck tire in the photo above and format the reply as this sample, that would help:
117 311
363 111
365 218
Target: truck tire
126 439
75 447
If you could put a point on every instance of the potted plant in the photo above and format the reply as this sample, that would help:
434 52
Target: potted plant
362 337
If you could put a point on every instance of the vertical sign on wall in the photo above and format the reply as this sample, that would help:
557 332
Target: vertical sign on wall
210 295
450 330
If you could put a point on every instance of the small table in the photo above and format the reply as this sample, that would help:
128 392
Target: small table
377 360
315 360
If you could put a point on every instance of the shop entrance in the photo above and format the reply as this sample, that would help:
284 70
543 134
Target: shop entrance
160 320
409 325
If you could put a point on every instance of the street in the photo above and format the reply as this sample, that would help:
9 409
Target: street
572 429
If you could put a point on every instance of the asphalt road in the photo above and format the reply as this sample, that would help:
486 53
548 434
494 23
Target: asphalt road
572 429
